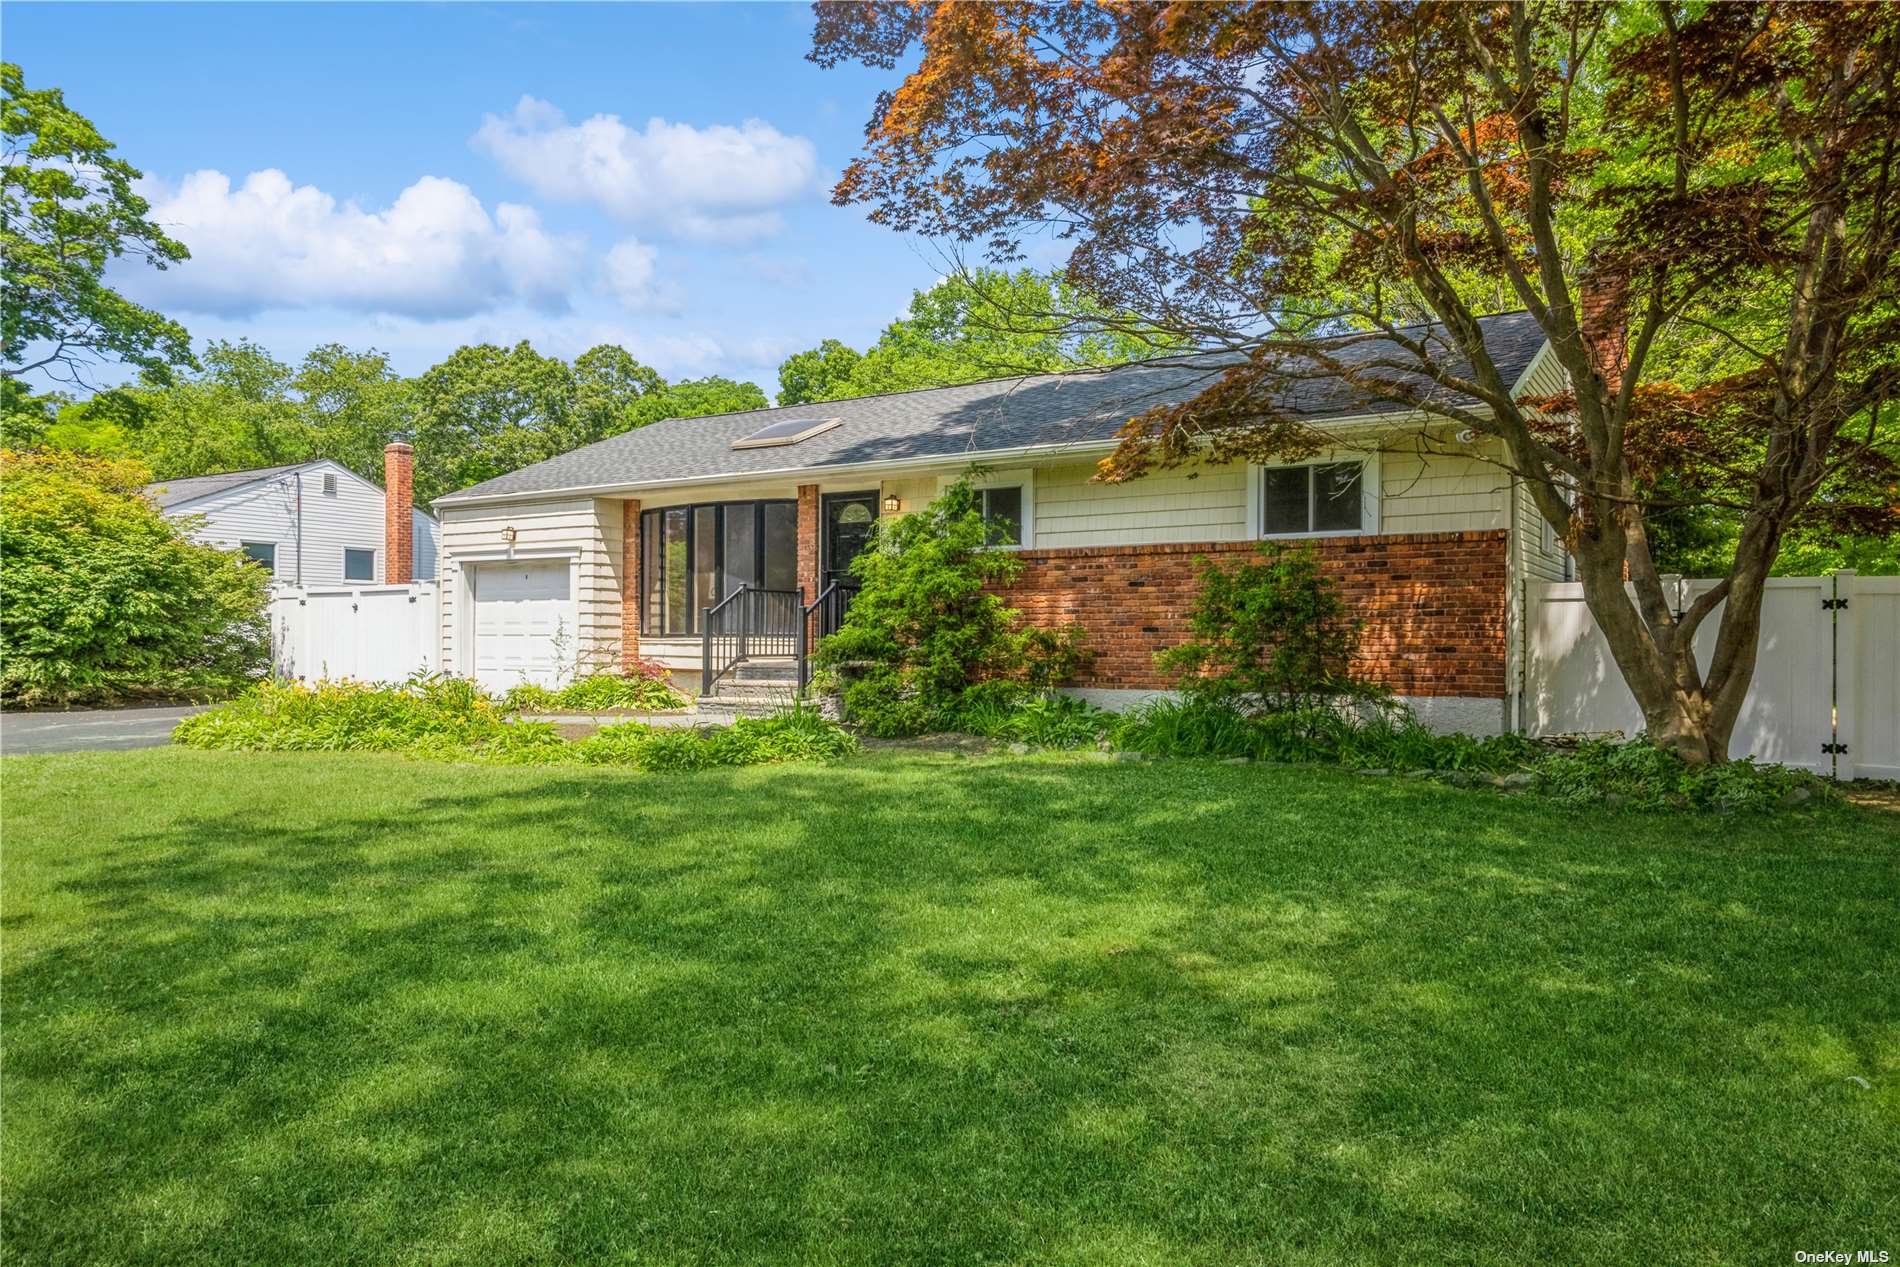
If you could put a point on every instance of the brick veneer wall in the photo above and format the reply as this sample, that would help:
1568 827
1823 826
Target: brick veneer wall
808 540
630 603
1433 603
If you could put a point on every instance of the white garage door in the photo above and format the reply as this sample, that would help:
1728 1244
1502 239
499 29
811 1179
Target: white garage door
524 623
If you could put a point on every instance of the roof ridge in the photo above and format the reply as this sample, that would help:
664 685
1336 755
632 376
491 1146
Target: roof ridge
1029 374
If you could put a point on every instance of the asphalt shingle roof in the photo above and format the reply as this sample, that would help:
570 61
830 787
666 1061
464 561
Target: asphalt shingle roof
169 493
999 415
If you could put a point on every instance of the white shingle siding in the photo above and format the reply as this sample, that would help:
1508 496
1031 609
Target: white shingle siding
587 531
266 511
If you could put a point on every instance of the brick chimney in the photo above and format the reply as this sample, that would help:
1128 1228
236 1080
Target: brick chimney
399 518
1603 318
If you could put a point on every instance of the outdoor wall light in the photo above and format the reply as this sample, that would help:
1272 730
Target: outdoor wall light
508 536
891 503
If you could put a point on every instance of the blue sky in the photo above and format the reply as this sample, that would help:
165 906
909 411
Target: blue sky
418 177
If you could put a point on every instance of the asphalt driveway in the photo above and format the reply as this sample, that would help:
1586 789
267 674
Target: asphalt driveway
83 729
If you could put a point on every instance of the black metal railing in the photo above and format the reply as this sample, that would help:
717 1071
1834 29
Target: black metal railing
747 624
822 617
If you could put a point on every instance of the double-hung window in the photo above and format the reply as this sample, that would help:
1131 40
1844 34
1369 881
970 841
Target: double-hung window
1313 500
358 564
1002 515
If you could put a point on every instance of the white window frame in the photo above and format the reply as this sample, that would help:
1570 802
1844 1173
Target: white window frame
375 564
1370 497
1023 478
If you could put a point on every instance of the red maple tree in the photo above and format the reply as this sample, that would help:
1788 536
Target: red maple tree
1692 200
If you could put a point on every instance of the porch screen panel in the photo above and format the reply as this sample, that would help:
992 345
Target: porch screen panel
741 564
705 560
651 607
781 547
679 611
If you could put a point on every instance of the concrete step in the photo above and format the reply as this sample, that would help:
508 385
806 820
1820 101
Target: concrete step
785 671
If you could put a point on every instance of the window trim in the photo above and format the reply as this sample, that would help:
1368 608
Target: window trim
375 560
245 548
1023 478
1371 497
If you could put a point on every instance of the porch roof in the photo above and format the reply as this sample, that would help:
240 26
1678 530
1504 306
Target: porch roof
1005 415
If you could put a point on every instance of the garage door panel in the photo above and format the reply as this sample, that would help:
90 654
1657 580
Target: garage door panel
523 612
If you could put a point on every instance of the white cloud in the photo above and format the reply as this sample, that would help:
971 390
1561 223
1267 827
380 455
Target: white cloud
628 273
434 252
719 183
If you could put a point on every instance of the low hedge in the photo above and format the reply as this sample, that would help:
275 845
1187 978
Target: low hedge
450 718
651 694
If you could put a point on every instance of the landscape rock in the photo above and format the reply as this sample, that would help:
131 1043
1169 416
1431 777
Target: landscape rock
1522 778
1375 774
1418 774
1131 756
1019 748
1236 760
1796 796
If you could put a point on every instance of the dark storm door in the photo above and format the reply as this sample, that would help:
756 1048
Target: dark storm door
849 518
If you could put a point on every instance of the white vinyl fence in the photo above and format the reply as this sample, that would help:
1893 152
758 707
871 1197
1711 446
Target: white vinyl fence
1826 690
372 633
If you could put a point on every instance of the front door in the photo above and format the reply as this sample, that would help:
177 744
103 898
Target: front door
849 518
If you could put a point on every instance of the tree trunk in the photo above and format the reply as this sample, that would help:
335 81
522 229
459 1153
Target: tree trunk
1686 711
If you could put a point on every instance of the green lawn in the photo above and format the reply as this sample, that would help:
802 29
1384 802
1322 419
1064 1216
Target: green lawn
929 1008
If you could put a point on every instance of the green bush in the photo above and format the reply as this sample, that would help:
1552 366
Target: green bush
451 719
1269 634
1647 777
425 715
926 627
1189 728
1041 719
105 598
654 694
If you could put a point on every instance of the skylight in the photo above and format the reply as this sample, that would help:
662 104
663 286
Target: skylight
790 431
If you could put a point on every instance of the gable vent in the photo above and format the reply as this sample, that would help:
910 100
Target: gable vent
329 485
791 431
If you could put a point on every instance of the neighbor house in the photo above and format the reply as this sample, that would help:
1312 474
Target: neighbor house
624 547
313 523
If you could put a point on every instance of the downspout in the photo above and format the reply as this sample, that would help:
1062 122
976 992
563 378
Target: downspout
298 477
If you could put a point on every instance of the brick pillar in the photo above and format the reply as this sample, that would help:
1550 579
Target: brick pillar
399 518
630 597
808 540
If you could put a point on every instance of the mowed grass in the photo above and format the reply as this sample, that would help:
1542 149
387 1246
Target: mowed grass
929 1008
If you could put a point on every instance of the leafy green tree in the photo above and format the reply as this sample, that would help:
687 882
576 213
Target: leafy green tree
486 411
609 385
975 324
820 373
67 210
352 404
698 397
236 412
24 416
106 598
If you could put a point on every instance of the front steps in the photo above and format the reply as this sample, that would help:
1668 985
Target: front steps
755 688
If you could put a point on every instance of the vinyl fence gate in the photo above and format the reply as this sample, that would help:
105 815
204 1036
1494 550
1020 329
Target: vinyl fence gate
370 633
1826 690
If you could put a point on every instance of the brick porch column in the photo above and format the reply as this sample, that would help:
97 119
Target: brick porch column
629 583
808 540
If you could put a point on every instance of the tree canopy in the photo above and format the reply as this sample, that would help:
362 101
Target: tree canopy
974 324
1289 181
68 209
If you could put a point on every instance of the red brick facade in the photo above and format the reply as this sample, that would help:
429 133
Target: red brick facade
1434 605
629 583
808 540
399 518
